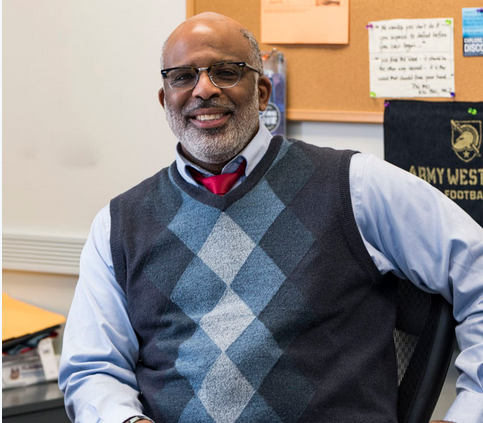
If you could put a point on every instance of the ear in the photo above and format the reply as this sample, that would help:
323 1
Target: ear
161 96
264 91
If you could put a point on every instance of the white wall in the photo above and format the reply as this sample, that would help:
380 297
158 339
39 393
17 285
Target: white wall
81 118
363 137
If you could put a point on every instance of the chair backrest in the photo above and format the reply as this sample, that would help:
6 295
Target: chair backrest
424 339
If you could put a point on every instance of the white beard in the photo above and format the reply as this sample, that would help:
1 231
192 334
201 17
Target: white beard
215 145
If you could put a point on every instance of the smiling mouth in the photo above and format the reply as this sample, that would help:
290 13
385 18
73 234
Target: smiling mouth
204 118
211 120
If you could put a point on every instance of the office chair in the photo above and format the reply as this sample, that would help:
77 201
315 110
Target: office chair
424 339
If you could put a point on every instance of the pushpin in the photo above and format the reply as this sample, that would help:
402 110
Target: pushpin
453 94
480 10
448 21
369 26
472 111
386 103
372 94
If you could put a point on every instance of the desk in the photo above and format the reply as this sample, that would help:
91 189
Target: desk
42 403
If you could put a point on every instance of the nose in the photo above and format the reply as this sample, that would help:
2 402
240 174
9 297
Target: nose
205 89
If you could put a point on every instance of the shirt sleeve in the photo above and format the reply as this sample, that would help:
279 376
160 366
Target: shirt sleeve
100 348
415 231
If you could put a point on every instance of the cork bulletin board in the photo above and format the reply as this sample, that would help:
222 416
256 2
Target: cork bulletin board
331 82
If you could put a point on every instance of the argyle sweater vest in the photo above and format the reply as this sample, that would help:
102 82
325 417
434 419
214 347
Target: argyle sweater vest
262 305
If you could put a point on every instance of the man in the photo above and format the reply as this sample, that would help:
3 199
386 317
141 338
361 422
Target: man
263 300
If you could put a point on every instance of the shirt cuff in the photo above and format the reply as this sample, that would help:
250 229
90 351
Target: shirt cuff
140 417
467 408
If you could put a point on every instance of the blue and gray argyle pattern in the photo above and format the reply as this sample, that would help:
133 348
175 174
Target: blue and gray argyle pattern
234 288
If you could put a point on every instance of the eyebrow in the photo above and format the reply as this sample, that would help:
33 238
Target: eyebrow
223 60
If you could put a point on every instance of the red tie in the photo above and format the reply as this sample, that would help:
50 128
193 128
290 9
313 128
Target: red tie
219 184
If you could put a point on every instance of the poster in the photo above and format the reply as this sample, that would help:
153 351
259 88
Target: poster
472 31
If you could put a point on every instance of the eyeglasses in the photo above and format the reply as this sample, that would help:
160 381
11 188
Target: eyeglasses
222 75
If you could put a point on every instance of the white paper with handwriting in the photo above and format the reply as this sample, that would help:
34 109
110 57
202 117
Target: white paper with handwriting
411 58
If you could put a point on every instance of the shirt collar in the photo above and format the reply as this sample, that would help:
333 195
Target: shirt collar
252 153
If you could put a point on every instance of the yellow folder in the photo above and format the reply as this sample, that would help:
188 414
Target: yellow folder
21 319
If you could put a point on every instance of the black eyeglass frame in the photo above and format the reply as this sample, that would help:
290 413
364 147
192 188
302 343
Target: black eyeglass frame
241 65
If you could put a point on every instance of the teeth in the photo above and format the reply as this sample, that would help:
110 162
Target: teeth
208 117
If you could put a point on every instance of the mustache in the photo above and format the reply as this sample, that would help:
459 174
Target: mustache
206 104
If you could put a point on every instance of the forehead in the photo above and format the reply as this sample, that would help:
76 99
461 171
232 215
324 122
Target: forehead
204 43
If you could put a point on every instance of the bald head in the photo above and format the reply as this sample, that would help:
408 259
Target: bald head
212 17
215 24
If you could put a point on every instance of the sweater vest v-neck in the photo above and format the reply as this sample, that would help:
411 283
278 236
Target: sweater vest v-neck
262 305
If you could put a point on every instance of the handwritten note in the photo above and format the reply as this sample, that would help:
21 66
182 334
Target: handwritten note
411 58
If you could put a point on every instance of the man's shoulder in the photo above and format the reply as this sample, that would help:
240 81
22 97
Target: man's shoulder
318 148
142 189
317 152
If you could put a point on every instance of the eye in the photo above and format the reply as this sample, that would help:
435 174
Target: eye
182 76
179 77
226 72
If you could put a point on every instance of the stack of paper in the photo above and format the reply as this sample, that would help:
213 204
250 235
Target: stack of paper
27 352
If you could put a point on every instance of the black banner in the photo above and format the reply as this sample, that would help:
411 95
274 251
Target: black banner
441 142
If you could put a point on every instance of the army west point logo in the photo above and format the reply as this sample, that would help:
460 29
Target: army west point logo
466 139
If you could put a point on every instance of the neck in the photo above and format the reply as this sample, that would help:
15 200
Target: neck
214 168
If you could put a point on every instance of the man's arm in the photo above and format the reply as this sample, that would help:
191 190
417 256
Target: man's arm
415 231
100 348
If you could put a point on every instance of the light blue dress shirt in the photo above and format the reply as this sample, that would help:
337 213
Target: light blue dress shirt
407 226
